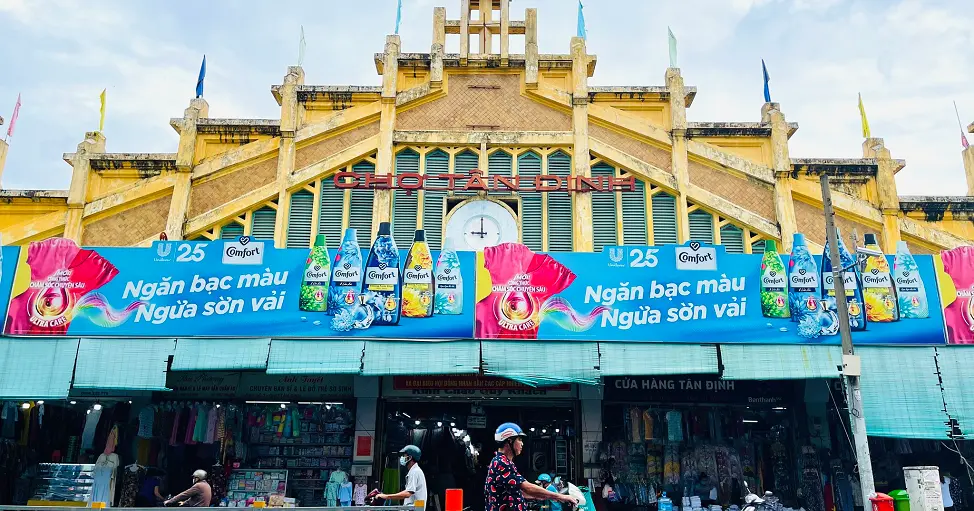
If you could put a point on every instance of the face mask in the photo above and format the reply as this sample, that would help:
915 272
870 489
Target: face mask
403 460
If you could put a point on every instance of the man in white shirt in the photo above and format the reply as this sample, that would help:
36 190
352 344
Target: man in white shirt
415 478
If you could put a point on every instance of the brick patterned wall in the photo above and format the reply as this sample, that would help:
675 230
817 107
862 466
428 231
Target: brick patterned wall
487 102
318 151
811 223
128 227
653 155
749 194
216 192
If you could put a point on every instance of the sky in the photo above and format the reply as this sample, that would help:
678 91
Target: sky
910 59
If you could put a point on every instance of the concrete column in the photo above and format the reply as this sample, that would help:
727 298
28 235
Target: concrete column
505 32
678 121
582 205
438 48
889 201
483 163
781 164
590 401
185 161
382 208
290 123
531 48
464 31
967 153
4 147
93 143
366 390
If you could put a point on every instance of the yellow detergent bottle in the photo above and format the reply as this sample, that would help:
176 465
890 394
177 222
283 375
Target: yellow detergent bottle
878 290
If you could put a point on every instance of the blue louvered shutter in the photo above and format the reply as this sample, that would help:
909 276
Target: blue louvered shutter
463 164
701 226
634 230
604 226
231 231
299 219
405 204
732 238
664 219
560 206
757 247
330 209
360 207
263 220
500 163
528 167
437 162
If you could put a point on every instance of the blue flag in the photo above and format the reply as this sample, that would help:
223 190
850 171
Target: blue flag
581 21
767 91
199 81
398 16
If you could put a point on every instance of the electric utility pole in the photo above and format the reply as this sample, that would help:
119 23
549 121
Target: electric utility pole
851 367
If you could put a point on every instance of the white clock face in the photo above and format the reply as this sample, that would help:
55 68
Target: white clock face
479 224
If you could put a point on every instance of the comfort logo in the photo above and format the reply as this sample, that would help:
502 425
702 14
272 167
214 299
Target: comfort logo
243 251
695 256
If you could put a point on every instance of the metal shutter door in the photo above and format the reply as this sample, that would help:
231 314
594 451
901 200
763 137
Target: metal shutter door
405 205
559 206
437 162
604 227
732 238
299 219
528 167
634 229
664 219
360 207
701 226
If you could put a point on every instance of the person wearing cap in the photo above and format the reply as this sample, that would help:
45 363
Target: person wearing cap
198 495
415 478
505 488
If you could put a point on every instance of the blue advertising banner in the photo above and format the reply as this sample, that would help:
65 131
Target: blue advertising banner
240 288
701 294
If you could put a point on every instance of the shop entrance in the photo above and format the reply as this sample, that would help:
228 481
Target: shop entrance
457 440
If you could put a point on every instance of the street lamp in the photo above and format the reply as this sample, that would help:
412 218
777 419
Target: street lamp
851 366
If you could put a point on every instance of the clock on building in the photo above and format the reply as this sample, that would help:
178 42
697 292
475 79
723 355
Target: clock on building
480 223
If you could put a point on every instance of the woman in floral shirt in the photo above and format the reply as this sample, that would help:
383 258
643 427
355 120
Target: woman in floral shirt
505 488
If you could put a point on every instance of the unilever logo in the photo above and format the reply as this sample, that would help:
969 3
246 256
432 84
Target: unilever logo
616 256
163 252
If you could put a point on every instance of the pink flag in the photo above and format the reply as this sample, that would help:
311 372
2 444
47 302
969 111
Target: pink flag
13 119
963 140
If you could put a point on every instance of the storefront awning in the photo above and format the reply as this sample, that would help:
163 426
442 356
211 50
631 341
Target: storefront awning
542 363
196 354
289 356
650 359
37 368
901 393
785 362
123 363
957 374
389 358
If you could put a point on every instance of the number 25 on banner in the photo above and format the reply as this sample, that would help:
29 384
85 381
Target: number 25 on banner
643 258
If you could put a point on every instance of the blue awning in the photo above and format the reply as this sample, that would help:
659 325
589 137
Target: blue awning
785 362
647 359
387 358
901 393
123 363
195 354
957 374
293 356
36 368
542 363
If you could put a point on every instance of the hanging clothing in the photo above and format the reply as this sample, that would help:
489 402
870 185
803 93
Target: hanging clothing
335 482
345 494
359 493
103 486
146 418
674 426
945 491
91 426
647 430
112 442
211 418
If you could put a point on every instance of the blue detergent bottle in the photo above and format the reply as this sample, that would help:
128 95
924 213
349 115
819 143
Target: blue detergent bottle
346 274
382 284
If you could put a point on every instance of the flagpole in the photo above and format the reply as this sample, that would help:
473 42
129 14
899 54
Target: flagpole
957 113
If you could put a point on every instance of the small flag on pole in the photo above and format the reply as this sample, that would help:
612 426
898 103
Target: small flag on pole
581 22
963 136
199 81
13 118
672 47
101 119
398 16
301 46
767 90
865 122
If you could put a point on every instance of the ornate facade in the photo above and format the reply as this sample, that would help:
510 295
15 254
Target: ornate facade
506 114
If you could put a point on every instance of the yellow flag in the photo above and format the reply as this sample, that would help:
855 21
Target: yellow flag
101 121
865 122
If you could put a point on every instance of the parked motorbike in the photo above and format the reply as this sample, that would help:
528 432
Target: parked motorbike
752 502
